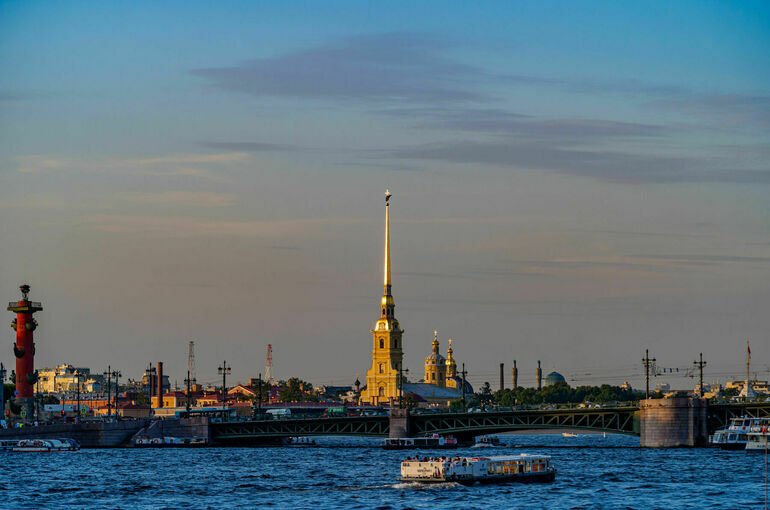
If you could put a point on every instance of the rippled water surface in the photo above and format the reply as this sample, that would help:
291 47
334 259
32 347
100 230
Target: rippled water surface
593 472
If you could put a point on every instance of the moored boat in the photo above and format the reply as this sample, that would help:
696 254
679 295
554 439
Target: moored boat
568 434
758 436
46 445
434 442
470 470
171 442
300 441
487 442
735 436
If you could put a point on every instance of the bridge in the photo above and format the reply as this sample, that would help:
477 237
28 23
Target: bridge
461 425
465 425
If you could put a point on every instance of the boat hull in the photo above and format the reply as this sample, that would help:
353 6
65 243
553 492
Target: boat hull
544 477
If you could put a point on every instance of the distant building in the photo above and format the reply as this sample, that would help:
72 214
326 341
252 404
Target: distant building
64 379
554 378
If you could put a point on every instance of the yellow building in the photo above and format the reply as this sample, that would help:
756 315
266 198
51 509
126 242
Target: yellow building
382 380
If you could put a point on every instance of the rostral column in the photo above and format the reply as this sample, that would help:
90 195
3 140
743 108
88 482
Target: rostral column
24 349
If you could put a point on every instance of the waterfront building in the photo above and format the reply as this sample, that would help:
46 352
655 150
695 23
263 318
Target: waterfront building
382 379
64 379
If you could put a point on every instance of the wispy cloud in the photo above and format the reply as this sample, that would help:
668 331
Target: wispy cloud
174 164
192 227
385 67
730 110
499 121
705 259
608 165
183 198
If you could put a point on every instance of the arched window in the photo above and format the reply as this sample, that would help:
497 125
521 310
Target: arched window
382 343
433 376
382 368
381 391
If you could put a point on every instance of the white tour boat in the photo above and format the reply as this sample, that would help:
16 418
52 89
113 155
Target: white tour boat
46 445
568 434
759 433
487 442
434 442
469 470
735 436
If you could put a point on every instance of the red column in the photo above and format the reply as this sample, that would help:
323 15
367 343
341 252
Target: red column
24 348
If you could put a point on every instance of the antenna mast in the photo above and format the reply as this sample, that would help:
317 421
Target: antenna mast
191 361
269 364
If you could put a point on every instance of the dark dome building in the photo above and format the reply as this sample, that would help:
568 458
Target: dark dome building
553 378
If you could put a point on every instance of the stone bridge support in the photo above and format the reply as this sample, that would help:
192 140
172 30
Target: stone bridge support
399 423
673 422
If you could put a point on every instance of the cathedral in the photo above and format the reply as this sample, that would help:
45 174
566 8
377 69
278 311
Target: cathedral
384 382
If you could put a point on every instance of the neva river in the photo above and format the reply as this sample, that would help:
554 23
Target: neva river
593 472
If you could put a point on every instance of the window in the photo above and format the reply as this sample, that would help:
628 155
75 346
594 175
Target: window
433 376
382 343
382 368
381 391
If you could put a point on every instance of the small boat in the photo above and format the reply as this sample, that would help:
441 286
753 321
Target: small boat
434 442
46 445
470 470
171 442
300 441
568 434
487 442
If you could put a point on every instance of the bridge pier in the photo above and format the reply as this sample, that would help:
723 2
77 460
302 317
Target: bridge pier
399 423
673 422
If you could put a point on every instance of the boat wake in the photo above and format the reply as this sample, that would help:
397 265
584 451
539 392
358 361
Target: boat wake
418 485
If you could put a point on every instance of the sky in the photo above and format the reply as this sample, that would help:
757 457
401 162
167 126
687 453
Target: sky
572 183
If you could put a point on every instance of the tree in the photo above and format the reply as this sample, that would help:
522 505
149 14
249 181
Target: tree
296 390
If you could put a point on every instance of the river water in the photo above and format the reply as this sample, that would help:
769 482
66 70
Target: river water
593 472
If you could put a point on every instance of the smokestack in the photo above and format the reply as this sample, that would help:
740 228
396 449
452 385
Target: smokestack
160 384
539 376
502 376
515 375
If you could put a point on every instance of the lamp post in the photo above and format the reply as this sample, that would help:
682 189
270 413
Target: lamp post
401 371
464 374
77 377
188 382
224 371
2 391
108 373
116 376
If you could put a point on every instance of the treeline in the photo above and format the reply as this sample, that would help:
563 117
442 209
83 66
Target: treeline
559 393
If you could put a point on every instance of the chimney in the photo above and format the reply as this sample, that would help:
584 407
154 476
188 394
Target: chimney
539 376
160 384
502 377
515 375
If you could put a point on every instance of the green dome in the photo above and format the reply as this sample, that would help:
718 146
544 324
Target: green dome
553 378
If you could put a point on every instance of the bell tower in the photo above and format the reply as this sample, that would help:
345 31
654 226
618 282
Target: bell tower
387 350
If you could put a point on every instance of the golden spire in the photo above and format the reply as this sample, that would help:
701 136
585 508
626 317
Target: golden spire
387 243
435 341
449 351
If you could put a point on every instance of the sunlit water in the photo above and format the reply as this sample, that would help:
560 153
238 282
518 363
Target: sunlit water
593 472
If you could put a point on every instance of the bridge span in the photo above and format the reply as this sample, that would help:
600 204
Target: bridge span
685 422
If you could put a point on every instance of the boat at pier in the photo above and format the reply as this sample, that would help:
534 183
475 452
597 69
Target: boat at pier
170 442
735 436
46 445
759 435
300 441
487 442
470 470
433 441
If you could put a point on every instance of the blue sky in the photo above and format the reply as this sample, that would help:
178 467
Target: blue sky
572 182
